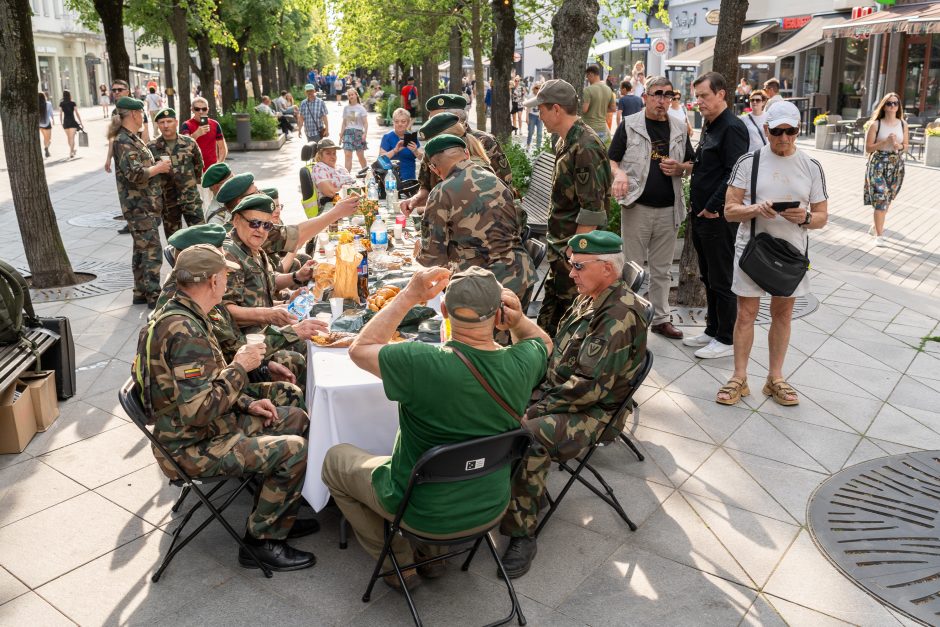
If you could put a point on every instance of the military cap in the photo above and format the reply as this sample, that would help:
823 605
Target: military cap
475 289
164 113
255 202
126 102
211 234
441 143
216 173
326 144
309 87
270 192
198 263
596 243
555 91
235 187
445 101
437 125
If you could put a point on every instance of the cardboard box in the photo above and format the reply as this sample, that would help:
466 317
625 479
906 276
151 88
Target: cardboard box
42 391
17 425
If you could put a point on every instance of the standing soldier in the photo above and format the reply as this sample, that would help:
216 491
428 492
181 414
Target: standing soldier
471 219
206 421
135 172
580 191
181 184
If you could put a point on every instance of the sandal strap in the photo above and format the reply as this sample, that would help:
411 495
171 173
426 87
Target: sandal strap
733 385
781 385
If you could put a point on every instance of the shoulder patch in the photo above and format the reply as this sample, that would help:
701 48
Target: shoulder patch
582 175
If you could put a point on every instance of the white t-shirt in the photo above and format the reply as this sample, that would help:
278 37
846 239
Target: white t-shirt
355 116
154 102
886 129
755 132
679 114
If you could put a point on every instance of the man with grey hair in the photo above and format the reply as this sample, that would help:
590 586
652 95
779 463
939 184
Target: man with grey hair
648 186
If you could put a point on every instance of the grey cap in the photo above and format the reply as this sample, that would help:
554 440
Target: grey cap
475 289
555 91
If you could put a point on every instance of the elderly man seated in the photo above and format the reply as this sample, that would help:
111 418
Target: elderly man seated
368 488
601 342
207 422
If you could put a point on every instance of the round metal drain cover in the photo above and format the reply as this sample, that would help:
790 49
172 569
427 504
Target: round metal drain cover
878 523
97 220
695 316
110 277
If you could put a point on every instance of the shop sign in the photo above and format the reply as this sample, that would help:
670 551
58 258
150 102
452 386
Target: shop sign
46 49
713 17
659 46
795 23
640 44
858 12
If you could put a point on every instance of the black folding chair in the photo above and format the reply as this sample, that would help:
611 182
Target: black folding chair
130 401
610 498
169 253
449 463
634 275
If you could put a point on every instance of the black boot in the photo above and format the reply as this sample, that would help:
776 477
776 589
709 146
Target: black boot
303 527
275 554
518 557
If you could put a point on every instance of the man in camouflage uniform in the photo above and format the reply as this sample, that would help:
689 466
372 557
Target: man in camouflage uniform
212 180
208 424
136 172
181 184
471 220
580 191
600 344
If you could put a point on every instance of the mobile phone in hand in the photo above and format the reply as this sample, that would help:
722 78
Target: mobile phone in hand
410 137
784 205
203 121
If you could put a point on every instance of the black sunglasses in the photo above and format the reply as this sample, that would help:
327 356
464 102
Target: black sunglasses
777 132
118 89
663 94
757 100
200 108
579 265
892 103
260 224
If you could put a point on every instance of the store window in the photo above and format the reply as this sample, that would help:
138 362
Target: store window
45 75
852 82
812 71
787 67
931 104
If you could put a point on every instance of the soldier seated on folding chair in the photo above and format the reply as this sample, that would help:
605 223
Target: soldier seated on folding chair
601 341
210 426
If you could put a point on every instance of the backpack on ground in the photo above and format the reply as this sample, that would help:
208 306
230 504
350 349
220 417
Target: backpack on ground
14 303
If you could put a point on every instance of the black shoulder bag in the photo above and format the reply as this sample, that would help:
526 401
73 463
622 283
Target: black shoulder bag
774 264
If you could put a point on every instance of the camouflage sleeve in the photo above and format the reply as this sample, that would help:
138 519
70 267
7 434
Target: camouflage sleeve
592 185
198 166
498 160
283 238
236 283
434 229
200 398
424 175
278 338
130 163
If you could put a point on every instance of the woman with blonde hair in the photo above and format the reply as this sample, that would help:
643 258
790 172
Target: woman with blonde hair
886 141
353 131
474 147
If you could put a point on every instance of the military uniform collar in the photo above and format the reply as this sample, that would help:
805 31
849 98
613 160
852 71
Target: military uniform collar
460 166
576 130
183 299
238 242
589 305
161 140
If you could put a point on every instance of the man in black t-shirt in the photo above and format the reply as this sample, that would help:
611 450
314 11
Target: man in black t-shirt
648 187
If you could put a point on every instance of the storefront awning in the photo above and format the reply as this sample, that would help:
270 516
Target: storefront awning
142 70
888 21
706 50
810 36
926 22
608 46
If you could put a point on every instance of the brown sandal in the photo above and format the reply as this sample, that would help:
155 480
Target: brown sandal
735 388
779 390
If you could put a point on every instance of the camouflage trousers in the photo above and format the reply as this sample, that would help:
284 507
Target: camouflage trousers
294 361
560 292
281 393
558 437
173 215
147 256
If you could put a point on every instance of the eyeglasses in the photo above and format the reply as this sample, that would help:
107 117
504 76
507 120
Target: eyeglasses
259 224
668 95
118 89
200 108
777 132
677 97
757 100
579 265
892 103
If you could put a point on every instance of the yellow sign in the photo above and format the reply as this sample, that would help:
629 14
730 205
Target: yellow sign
712 17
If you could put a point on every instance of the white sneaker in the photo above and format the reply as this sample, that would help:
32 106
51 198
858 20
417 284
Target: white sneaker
879 241
702 339
714 350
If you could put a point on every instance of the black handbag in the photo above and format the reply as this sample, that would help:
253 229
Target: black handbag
774 264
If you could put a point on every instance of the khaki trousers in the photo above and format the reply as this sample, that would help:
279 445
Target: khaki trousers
649 234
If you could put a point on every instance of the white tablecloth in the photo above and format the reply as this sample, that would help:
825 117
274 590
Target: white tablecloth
345 405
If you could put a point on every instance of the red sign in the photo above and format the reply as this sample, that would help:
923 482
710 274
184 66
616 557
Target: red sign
794 23
858 12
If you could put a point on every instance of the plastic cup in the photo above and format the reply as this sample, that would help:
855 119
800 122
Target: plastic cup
254 338
165 158
336 307
397 231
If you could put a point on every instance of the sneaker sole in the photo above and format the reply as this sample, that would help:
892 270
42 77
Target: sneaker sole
280 569
719 356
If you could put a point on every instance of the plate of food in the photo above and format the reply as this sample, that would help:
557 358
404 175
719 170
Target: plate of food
382 297
334 339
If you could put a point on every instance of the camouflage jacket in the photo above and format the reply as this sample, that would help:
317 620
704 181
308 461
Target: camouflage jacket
495 154
599 345
185 380
253 284
580 186
471 220
181 184
282 239
136 190
428 180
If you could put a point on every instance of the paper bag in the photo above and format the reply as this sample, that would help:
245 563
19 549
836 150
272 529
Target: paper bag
345 280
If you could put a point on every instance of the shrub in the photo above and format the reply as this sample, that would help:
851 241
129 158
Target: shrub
821 119
519 164
613 217
263 127
933 132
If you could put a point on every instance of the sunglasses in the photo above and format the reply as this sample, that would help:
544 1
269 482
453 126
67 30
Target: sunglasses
118 89
677 97
757 100
260 224
777 132
579 265
892 103
669 95
200 108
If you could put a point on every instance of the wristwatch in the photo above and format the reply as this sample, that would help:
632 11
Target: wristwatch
809 218
293 276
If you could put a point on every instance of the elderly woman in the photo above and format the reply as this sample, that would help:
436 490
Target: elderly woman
393 145
327 176
353 131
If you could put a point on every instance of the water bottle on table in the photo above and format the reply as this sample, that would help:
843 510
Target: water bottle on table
302 304
372 191
378 235
391 192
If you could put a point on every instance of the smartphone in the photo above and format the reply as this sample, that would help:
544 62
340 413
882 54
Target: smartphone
203 121
410 137
783 206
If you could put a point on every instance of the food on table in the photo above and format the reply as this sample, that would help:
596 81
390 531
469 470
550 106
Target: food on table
323 278
382 297
345 280
334 339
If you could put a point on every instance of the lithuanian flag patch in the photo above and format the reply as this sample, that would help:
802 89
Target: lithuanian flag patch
192 373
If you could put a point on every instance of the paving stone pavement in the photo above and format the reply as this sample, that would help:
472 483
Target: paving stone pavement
720 500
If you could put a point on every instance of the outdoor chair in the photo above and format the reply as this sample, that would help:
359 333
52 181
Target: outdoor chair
450 463
634 275
169 253
855 134
607 495
130 401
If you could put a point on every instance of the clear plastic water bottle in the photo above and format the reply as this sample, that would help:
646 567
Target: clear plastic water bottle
372 192
302 304
391 193
378 235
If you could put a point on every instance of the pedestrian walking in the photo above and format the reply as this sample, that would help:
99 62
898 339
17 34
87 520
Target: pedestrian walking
599 101
207 133
154 102
313 117
535 122
70 119
45 122
886 142
353 130
517 96
104 100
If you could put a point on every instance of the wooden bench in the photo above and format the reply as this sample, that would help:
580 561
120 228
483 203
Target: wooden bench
17 358
538 198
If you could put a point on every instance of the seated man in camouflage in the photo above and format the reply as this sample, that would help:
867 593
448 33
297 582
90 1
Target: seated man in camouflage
212 180
208 424
600 344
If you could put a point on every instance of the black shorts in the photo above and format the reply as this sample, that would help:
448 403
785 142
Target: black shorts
515 108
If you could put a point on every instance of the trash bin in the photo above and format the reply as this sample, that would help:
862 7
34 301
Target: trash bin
242 129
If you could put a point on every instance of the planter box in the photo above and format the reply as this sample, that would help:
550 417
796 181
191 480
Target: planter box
273 144
932 151
824 136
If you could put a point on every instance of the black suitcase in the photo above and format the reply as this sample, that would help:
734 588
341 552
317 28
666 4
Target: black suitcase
61 357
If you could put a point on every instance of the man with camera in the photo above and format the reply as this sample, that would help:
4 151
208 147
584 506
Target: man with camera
207 133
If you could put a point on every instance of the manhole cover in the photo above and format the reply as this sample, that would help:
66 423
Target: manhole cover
695 316
878 523
97 220
109 276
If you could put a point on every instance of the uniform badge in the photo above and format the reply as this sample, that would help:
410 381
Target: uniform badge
582 244
595 346
440 101
192 373
582 175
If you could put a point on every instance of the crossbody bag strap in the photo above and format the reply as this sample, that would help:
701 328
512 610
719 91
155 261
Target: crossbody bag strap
486 386
759 131
754 164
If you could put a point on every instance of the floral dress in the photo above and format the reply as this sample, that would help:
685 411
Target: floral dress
883 177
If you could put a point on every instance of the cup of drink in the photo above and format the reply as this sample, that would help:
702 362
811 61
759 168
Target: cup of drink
336 307
397 231
323 239
165 158
254 338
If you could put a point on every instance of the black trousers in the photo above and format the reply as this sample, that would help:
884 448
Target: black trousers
713 240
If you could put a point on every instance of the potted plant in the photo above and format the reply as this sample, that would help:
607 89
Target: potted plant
932 147
824 136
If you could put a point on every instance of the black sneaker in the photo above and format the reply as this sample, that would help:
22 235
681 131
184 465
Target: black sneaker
275 554
139 300
518 557
124 230
47 152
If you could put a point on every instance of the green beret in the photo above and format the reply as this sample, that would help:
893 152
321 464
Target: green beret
126 102
270 192
441 143
446 101
255 202
437 125
215 173
596 243
235 187
164 113
211 234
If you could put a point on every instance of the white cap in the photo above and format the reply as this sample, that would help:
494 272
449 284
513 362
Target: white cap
783 112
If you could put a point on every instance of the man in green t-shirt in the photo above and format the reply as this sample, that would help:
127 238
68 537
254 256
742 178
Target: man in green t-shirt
439 402
599 101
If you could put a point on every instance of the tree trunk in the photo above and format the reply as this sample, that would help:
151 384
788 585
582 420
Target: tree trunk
455 73
111 13
19 110
226 58
504 45
266 85
253 74
573 26
691 291
282 76
476 47
181 38
429 83
239 58
206 73
728 43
